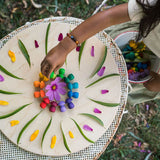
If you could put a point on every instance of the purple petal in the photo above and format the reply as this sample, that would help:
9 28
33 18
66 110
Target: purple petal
87 128
36 44
147 107
50 95
1 78
48 87
104 91
143 151
139 144
96 110
61 91
101 71
60 37
62 84
56 96
56 80
78 48
92 51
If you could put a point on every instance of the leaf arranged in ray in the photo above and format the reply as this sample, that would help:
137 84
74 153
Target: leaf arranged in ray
26 125
7 92
107 76
80 52
93 117
45 131
101 64
80 130
14 112
64 140
105 104
8 73
46 39
24 51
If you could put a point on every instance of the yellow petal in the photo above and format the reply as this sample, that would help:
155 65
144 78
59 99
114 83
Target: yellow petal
34 135
14 122
71 134
53 141
3 103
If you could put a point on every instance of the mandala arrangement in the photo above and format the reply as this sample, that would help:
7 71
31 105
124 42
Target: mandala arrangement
59 94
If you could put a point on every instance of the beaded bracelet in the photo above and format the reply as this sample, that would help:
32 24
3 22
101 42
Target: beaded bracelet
72 38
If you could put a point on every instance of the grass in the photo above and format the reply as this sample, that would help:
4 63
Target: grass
138 125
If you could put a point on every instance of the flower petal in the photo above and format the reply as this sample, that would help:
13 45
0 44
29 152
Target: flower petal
36 44
61 91
101 71
56 96
92 51
48 87
62 84
78 48
50 95
96 110
87 128
104 91
56 80
60 37
1 78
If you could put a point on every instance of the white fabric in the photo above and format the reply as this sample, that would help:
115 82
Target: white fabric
153 39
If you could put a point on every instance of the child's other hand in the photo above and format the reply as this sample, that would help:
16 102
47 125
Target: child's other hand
154 83
54 60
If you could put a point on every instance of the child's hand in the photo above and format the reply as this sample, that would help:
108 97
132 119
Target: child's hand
154 83
54 60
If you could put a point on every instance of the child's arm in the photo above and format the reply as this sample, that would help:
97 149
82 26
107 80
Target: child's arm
56 56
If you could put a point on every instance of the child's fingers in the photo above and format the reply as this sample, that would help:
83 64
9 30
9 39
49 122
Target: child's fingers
46 69
153 74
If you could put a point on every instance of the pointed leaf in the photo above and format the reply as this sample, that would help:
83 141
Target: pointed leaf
26 125
46 39
147 157
80 52
14 112
6 92
101 64
93 117
80 130
107 76
24 51
45 131
105 104
8 73
133 135
64 140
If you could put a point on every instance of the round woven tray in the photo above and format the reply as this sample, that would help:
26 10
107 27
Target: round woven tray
9 151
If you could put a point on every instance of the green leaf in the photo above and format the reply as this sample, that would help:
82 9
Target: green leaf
6 92
46 40
14 112
133 135
26 125
105 104
8 73
93 117
64 140
80 52
80 130
45 131
107 76
147 157
24 51
103 60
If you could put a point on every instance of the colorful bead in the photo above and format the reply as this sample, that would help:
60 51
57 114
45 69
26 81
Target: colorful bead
43 105
62 71
52 108
66 80
62 108
70 105
70 77
52 75
68 100
61 103
75 94
46 100
53 103
60 75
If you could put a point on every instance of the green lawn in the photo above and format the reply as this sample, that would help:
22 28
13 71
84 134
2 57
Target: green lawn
139 131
